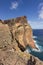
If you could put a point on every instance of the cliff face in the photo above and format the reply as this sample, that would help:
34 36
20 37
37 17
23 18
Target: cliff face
18 29
5 35
15 35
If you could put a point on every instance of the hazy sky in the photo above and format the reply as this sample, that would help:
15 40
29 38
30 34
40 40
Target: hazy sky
33 9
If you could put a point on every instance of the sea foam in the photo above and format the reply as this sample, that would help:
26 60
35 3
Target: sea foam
40 48
34 37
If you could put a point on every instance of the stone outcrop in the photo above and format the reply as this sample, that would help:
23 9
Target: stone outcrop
15 36
20 31
11 57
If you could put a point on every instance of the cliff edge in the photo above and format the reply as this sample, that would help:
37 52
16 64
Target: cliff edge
15 36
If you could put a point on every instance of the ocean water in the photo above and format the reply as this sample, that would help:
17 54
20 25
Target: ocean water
38 39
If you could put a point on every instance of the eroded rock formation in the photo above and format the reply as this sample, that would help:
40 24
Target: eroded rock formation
15 35
18 29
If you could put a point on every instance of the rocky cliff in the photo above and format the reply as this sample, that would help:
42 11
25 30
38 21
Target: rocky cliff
15 36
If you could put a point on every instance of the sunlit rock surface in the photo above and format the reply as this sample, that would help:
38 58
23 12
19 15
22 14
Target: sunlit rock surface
15 36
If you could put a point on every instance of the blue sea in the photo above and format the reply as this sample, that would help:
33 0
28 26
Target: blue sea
38 39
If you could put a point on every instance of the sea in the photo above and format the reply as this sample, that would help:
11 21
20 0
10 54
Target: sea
38 39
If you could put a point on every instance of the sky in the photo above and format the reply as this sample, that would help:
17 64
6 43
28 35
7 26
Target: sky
33 9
